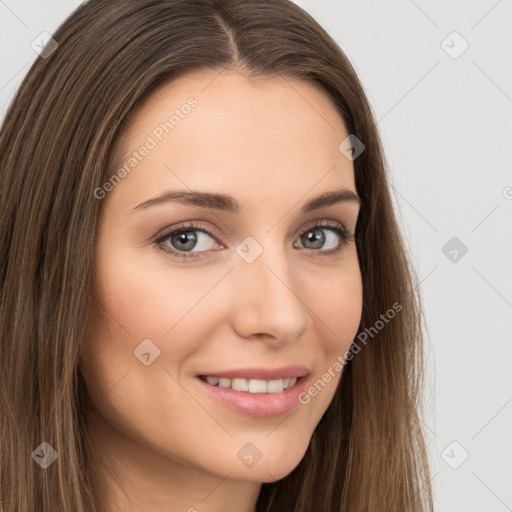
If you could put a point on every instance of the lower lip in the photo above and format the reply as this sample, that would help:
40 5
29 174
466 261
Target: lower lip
257 405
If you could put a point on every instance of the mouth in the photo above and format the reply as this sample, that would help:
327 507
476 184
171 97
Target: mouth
249 393
251 385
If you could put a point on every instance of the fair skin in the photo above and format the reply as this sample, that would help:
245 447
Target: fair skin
272 144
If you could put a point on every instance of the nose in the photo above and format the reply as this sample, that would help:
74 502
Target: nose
267 302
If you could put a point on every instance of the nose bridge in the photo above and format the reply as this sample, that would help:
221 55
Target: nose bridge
267 299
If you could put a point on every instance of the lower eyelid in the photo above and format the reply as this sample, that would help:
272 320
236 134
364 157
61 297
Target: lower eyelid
343 234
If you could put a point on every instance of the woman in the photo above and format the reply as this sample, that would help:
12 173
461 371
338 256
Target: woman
206 301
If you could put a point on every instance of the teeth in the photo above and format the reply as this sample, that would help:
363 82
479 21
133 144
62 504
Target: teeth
257 386
225 383
253 385
212 380
239 385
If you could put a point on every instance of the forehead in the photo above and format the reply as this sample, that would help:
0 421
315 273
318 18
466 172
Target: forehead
255 94
263 133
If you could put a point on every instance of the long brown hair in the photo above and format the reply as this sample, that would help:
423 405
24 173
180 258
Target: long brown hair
368 452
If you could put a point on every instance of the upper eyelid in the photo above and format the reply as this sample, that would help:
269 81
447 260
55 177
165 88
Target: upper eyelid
196 226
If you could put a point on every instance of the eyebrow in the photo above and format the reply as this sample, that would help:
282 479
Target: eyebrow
229 204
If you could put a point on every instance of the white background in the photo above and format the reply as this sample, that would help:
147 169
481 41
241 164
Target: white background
446 125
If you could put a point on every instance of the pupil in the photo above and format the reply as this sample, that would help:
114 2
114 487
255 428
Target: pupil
187 238
317 239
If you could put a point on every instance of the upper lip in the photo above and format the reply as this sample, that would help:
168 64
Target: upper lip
283 372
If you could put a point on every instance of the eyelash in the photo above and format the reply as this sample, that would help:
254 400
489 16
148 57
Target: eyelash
345 235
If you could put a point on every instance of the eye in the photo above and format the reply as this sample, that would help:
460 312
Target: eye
192 241
332 234
185 238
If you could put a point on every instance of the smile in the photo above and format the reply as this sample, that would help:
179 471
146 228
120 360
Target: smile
252 385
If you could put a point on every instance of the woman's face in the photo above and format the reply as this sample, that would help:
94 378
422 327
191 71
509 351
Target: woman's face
249 297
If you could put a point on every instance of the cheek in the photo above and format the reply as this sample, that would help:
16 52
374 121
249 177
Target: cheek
336 303
337 307
176 309
172 310
155 300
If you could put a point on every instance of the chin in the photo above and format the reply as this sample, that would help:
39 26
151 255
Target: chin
279 464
